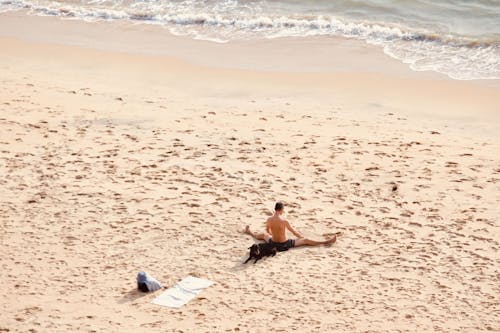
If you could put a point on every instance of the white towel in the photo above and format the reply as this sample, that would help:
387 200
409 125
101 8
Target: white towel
182 292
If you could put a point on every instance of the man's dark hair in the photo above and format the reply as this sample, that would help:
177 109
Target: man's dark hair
279 206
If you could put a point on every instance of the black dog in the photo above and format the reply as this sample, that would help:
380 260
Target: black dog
258 251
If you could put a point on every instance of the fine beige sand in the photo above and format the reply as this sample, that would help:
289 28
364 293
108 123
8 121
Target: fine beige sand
113 162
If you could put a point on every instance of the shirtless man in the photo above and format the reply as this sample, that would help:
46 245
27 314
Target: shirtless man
276 232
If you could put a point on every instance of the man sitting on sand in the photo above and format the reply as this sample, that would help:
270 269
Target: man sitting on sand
276 232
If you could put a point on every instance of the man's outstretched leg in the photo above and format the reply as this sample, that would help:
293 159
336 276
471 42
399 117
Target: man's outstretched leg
310 242
259 236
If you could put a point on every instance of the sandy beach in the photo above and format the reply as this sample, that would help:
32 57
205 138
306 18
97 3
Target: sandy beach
115 160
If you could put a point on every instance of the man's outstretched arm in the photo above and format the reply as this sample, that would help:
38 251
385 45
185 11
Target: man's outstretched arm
293 231
268 228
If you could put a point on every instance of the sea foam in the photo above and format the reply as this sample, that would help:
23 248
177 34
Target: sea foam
424 45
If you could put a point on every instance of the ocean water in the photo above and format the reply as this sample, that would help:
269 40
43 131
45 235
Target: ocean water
458 38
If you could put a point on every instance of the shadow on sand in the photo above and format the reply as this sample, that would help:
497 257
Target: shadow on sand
132 295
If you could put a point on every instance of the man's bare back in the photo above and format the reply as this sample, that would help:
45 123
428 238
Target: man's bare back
276 228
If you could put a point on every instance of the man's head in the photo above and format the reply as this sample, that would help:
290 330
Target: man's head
279 207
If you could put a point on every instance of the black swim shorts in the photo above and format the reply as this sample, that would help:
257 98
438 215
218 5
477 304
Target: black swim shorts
285 246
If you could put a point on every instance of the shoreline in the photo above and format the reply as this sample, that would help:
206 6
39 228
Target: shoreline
116 162
472 109
308 54
289 54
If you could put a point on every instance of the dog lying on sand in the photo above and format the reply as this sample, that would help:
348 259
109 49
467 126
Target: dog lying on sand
258 251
